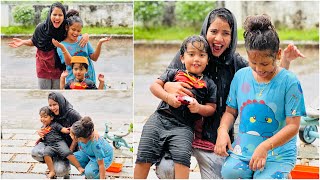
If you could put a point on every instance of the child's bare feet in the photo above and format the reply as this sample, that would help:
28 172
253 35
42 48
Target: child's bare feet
81 170
51 175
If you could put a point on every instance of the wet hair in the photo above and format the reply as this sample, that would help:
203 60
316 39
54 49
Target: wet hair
260 34
193 39
73 16
222 13
85 65
83 128
46 110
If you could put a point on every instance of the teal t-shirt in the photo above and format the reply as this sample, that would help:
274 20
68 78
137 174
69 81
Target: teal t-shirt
263 108
75 50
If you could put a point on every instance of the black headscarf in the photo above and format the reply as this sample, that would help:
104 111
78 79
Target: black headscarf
45 31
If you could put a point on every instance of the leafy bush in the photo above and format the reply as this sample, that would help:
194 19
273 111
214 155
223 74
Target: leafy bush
24 14
149 13
44 14
193 13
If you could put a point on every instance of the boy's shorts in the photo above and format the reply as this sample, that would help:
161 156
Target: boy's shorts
162 133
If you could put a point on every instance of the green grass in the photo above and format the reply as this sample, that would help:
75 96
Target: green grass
178 33
90 30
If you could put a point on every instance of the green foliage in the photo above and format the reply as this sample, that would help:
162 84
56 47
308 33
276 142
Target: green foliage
149 13
193 13
24 14
44 14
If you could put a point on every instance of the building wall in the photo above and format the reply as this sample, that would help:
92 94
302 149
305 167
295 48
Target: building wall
290 14
110 14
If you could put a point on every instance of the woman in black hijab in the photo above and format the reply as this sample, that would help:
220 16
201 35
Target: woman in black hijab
48 64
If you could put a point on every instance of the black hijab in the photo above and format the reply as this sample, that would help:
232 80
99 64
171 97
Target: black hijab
45 31
64 106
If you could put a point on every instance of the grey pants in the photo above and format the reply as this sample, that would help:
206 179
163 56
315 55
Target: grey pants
48 83
61 167
210 165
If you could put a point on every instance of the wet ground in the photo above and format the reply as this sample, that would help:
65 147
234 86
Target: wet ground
115 62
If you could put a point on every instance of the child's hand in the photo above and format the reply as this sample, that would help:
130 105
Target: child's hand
56 43
194 106
64 74
173 101
106 39
101 77
258 159
291 52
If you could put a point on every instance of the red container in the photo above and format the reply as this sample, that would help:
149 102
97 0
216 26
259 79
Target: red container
115 167
305 172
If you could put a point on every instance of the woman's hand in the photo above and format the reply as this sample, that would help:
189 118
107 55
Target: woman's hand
16 42
194 106
259 157
84 40
223 140
291 53
95 135
57 44
178 88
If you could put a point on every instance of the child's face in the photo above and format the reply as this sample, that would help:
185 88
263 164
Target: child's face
194 58
219 36
53 106
262 62
56 17
45 118
74 31
79 71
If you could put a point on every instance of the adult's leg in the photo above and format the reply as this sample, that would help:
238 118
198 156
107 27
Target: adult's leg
55 84
274 170
210 164
37 152
44 83
165 168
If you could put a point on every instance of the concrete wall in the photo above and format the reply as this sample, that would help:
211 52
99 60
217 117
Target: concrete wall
291 14
110 14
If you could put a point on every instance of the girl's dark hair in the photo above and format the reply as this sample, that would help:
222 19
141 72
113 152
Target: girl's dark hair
260 34
85 65
83 128
73 16
46 110
223 14
193 39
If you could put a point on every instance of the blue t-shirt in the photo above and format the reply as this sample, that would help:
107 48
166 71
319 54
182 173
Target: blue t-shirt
75 50
97 149
263 108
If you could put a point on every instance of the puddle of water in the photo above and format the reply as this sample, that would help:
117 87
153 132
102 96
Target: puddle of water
20 108
115 62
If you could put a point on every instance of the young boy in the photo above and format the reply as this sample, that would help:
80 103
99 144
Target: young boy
54 142
79 66
170 128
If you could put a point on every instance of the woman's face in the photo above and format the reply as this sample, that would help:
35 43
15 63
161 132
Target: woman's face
219 36
54 106
57 17
262 63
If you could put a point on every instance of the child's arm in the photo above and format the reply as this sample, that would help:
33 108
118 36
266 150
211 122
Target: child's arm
101 81
73 145
157 89
102 169
19 42
204 110
63 76
94 56
283 136
65 52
